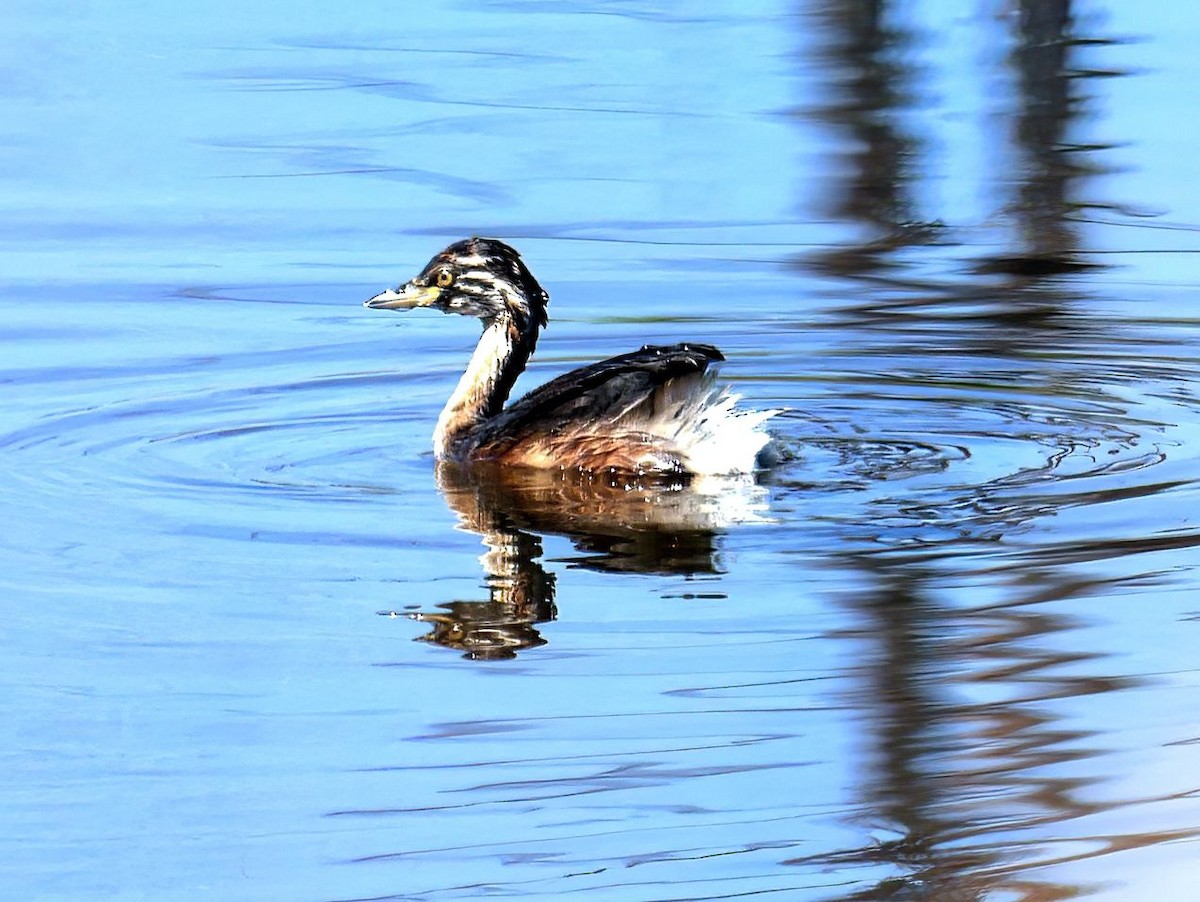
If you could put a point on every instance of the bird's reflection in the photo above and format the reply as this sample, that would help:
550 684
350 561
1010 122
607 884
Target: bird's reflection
616 525
520 596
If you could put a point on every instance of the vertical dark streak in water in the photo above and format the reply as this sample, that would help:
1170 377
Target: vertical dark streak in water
1046 110
1048 242
865 61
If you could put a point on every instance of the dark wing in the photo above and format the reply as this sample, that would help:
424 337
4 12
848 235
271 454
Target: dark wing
599 393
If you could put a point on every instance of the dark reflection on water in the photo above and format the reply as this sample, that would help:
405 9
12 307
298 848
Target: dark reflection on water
641 527
954 784
872 56
618 526
956 789
866 56
520 596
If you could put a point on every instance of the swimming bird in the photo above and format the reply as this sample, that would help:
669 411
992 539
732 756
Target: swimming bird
657 411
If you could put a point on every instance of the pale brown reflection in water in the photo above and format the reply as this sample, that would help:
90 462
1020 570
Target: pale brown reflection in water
617 525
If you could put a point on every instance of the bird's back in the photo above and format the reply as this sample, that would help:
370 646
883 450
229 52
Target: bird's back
655 410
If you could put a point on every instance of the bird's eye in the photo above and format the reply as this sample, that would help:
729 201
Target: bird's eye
445 278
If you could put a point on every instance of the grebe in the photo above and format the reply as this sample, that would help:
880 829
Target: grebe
655 411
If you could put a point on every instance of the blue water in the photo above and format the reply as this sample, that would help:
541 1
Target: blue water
945 650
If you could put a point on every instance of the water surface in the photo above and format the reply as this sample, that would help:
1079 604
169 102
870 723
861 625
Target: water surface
945 650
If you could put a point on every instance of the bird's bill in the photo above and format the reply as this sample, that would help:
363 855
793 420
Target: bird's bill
406 297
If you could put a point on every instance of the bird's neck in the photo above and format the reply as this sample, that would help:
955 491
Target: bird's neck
498 360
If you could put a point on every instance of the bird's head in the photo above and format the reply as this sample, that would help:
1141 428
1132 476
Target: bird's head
480 277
